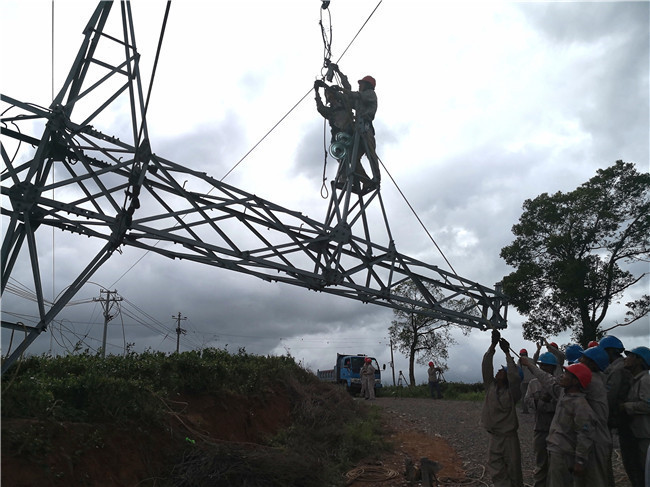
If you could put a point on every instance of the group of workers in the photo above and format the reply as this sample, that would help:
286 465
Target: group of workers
578 408
352 113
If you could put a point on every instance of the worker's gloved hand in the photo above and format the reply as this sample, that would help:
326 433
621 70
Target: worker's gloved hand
318 83
334 66
505 346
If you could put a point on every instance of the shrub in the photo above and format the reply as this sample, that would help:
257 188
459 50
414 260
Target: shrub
328 434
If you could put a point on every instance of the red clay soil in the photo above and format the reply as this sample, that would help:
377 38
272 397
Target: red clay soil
65 453
408 445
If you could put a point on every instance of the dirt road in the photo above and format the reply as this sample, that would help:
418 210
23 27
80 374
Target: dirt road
448 432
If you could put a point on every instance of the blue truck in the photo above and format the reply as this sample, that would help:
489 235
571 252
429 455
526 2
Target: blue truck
346 372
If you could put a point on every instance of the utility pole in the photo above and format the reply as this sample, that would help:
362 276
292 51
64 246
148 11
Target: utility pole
392 362
107 304
179 330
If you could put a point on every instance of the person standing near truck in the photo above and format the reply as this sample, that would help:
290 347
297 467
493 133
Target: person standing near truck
368 379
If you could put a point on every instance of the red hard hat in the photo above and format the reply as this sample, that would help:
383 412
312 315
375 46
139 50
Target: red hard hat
431 364
592 344
368 359
582 372
554 344
523 351
369 79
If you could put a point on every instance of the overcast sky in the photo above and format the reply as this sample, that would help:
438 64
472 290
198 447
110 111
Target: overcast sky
481 106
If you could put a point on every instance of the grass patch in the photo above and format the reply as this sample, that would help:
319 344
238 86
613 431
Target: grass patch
455 391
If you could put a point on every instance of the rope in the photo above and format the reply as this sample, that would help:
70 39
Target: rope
370 473
327 54
323 190
327 42
416 215
364 24
267 134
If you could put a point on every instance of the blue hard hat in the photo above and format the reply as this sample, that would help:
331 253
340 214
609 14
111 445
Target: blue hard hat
547 358
644 353
573 353
610 341
598 355
519 369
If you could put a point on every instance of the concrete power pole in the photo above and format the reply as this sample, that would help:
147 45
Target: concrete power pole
392 363
179 330
107 304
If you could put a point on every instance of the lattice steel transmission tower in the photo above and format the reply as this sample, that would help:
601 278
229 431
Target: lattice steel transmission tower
123 194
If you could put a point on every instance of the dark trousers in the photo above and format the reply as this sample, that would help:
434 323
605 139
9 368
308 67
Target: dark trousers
434 389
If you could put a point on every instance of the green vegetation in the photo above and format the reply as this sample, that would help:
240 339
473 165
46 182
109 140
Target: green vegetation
329 432
575 254
455 391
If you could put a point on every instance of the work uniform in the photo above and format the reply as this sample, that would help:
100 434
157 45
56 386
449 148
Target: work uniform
528 376
434 383
560 357
617 382
368 381
570 440
544 405
599 473
637 412
365 108
339 118
499 418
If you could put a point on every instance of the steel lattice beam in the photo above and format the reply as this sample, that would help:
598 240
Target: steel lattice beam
121 192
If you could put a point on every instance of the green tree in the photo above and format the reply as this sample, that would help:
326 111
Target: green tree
423 338
575 253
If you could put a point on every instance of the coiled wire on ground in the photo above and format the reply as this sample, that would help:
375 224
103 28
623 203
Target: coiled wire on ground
371 473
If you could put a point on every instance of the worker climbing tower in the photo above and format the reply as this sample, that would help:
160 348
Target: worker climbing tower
354 193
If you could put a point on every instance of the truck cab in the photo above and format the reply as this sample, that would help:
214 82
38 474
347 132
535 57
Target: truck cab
347 372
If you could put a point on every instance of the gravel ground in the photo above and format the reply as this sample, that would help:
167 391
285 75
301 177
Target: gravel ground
458 423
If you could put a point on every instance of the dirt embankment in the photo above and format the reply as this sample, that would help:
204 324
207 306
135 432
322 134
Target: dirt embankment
63 454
